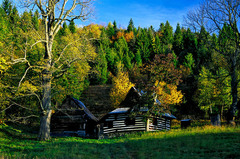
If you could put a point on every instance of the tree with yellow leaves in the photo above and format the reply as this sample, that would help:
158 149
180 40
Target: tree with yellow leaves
168 93
3 93
121 86
160 79
94 30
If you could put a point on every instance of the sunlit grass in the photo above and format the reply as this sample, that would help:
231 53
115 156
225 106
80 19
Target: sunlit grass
198 142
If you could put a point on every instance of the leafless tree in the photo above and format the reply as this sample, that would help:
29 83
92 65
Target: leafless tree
213 14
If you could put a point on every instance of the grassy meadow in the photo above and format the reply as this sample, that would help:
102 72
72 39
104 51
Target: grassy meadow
197 142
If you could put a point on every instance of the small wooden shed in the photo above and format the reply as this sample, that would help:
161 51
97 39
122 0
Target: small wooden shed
73 117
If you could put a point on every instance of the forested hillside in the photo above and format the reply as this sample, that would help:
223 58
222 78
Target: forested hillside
185 68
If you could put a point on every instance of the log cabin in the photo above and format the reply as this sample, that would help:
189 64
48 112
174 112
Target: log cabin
73 118
122 120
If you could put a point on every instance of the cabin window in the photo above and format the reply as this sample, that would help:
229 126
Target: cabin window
155 121
108 124
130 121
82 126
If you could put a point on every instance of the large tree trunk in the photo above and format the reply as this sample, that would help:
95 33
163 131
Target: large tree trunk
44 132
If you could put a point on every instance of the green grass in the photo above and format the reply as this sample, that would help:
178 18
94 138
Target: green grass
200 142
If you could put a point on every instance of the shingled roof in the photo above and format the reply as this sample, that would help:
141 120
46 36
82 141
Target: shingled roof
85 109
97 99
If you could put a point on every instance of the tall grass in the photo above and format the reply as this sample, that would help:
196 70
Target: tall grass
199 142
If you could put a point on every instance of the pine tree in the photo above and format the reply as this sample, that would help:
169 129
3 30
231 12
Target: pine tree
7 7
123 52
178 41
110 30
127 61
64 30
203 53
72 27
189 44
167 37
144 44
130 26
138 58
35 20
115 26
102 66
26 21
157 46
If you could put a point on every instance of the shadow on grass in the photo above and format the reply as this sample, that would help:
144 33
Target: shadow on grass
211 145
14 131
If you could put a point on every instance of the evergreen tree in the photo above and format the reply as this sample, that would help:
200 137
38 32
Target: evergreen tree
203 54
64 30
161 29
115 26
26 21
130 26
203 37
157 45
72 27
110 30
122 49
167 34
35 20
4 29
144 44
102 66
7 7
189 44
138 58
127 60
178 41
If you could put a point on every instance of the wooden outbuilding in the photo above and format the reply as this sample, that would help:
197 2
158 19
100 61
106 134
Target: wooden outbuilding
74 118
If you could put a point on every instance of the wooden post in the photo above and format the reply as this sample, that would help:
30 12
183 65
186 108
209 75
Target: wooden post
147 124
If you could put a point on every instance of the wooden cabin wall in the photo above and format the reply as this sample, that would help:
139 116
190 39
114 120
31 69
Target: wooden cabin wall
70 122
116 123
159 124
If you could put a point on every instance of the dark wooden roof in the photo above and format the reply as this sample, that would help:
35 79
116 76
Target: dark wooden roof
132 98
97 99
85 109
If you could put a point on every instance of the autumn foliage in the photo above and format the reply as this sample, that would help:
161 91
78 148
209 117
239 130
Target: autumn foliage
127 36
161 77
168 93
121 86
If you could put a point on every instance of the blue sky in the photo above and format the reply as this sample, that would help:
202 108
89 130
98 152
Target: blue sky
143 12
